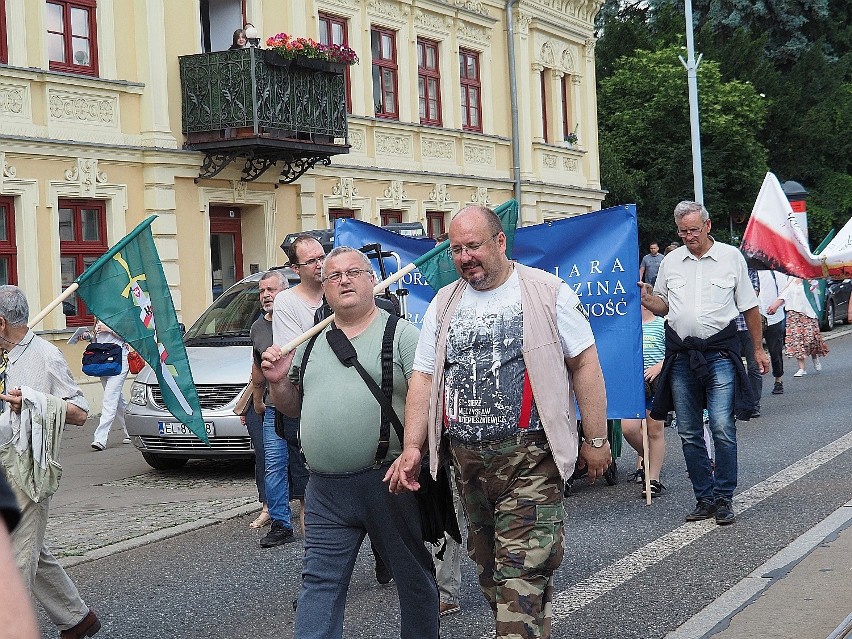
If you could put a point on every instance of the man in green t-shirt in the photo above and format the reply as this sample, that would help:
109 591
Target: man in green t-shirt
346 498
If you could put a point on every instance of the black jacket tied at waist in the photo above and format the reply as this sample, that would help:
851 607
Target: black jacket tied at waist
726 342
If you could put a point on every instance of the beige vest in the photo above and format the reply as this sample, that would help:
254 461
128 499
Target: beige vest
549 375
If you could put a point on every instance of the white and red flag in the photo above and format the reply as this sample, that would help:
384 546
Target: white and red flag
773 236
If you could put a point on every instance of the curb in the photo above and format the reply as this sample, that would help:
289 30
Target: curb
157 535
717 616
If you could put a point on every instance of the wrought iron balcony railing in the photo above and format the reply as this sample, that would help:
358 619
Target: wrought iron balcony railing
251 104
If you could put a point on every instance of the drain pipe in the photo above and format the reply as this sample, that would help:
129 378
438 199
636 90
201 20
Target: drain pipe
513 97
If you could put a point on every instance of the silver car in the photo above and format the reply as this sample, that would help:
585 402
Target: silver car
219 350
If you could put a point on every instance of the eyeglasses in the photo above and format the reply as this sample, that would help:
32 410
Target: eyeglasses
690 232
470 248
352 274
311 262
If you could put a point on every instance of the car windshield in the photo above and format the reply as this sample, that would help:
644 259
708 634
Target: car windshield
232 314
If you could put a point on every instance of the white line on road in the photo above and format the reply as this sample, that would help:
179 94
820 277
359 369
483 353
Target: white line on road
619 572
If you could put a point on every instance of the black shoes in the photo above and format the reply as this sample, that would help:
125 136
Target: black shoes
656 489
278 535
755 412
703 510
778 389
383 574
724 512
88 627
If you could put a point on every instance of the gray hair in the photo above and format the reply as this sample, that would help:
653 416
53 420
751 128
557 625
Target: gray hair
340 250
13 305
282 278
687 207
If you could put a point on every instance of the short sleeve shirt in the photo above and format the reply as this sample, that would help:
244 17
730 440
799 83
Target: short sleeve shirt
484 374
341 418
292 315
652 266
704 295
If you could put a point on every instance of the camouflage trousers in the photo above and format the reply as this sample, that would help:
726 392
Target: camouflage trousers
512 494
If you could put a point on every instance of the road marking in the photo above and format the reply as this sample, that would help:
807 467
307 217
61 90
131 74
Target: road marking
619 572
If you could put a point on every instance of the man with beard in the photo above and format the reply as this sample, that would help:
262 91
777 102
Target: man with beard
511 450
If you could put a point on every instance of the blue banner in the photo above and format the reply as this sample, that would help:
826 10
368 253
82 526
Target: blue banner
595 253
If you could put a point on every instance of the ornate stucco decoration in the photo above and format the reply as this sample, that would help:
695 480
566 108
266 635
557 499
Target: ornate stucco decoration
439 149
239 187
478 154
439 195
81 108
356 139
570 164
480 196
473 33
568 61
12 99
393 144
345 190
473 5
432 21
523 21
390 10
547 56
86 174
9 171
396 193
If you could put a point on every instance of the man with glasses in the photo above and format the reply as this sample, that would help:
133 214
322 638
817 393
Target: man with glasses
341 426
502 354
292 314
701 288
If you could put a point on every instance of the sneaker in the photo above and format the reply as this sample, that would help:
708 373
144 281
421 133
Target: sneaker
724 512
277 536
755 412
98 446
817 365
800 373
445 609
656 489
638 476
703 510
778 389
383 574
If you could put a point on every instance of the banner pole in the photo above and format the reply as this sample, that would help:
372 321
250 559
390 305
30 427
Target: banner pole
46 310
646 462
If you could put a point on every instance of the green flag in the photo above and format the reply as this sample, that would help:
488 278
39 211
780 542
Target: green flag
437 265
127 290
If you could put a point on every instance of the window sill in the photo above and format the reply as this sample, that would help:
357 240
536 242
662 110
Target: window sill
67 78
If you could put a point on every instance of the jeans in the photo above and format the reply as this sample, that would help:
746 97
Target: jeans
774 335
689 394
340 510
754 376
277 488
254 426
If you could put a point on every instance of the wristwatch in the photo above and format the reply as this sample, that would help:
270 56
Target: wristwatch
595 442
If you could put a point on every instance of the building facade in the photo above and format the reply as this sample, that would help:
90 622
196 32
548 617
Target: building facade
92 125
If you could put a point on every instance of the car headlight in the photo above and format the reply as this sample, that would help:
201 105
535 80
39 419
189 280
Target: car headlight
138 394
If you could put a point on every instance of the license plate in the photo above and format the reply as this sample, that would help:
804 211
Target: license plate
177 428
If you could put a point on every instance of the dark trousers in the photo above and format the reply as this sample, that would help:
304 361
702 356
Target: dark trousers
774 336
340 510
754 376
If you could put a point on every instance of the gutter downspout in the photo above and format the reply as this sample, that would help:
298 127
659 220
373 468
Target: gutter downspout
513 97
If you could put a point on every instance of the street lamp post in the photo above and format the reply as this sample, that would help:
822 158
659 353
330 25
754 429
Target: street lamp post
691 65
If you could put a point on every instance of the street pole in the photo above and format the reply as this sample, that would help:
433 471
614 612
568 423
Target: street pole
691 65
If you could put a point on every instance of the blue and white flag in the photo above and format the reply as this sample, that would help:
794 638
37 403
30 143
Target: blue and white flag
595 253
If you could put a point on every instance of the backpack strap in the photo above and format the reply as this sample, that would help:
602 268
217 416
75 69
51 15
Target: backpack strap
304 365
387 390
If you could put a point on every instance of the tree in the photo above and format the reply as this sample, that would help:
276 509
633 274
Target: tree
645 140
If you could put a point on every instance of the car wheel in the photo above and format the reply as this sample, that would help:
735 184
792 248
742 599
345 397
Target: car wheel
829 316
164 463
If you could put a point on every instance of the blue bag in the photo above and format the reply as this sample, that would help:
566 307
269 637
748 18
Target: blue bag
102 360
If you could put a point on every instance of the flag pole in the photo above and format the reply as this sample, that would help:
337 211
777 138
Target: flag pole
46 310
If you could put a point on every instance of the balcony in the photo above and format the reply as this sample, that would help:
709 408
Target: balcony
251 106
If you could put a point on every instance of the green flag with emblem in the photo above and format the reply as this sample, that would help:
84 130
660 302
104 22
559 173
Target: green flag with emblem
126 289
437 265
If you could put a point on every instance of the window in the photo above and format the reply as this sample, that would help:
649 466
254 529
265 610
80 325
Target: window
332 30
4 51
567 126
8 250
391 216
471 88
429 82
435 224
82 240
383 47
543 83
338 214
71 36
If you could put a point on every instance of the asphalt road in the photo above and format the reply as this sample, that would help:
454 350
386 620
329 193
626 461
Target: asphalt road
631 570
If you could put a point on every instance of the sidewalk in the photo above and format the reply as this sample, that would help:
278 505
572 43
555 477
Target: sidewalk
803 592
126 504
